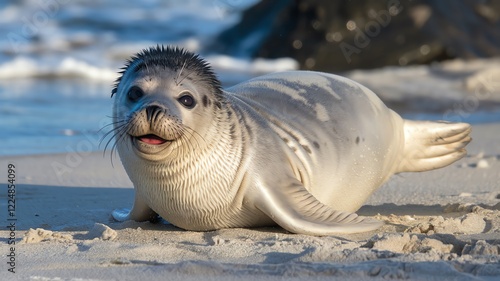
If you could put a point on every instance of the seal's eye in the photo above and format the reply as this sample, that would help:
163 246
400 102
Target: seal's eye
135 93
187 101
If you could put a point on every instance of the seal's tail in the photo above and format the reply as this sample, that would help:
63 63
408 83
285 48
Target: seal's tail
432 145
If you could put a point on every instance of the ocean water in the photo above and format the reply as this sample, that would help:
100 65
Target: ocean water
59 58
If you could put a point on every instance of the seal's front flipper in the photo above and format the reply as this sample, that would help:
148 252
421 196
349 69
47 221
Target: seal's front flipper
296 210
140 212
430 145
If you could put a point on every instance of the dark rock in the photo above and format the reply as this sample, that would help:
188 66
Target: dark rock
342 35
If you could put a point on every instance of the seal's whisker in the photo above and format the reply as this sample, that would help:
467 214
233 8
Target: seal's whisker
186 142
189 146
112 129
110 132
107 143
115 132
118 124
105 126
112 117
184 137
192 71
179 74
118 133
193 134
122 133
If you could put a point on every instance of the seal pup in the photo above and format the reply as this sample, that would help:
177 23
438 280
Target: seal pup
300 149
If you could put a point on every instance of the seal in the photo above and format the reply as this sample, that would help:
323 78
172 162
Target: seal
300 149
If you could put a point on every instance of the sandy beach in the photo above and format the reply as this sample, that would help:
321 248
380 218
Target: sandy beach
443 224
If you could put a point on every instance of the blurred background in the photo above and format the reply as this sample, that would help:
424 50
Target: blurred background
59 58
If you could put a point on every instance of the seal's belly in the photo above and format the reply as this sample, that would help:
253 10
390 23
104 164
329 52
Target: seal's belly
340 132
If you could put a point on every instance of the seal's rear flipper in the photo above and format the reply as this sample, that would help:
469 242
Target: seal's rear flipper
296 210
432 145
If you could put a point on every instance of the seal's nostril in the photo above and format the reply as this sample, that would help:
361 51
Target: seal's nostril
153 111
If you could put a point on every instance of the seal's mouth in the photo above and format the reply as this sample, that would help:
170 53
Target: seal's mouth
151 139
149 144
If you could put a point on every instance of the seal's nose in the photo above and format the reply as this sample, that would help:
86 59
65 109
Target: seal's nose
153 111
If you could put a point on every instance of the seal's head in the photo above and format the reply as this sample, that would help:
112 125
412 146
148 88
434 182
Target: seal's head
164 98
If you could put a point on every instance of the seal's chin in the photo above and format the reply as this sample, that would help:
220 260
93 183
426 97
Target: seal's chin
149 144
